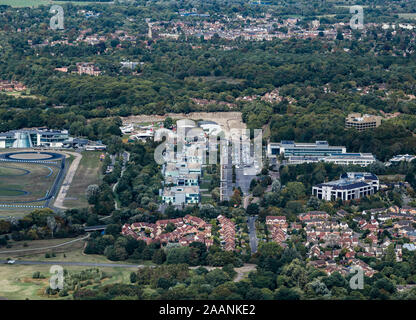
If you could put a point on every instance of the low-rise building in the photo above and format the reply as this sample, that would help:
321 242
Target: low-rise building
401 157
361 159
291 148
29 138
227 233
352 185
181 195
362 122
88 68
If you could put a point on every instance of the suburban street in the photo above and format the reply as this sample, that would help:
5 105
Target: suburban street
252 232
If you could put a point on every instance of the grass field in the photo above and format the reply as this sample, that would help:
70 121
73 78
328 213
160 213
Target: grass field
14 212
36 3
15 185
88 172
16 280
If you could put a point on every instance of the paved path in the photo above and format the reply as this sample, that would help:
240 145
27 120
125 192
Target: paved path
126 158
45 248
244 270
253 236
79 264
241 271
59 202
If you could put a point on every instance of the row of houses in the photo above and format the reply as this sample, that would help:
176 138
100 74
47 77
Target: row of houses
227 233
344 268
186 230
277 226
334 246
10 86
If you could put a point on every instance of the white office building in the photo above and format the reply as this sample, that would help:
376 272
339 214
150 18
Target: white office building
361 159
351 185
291 148
399 158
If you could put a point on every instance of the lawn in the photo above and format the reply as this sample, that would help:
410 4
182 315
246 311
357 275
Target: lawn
88 172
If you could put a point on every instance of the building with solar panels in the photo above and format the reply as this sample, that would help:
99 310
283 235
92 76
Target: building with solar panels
350 186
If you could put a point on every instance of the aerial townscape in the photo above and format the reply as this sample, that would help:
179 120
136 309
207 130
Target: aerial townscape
207 150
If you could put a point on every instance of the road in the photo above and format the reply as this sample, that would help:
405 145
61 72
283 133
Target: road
252 233
45 248
76 264
59 202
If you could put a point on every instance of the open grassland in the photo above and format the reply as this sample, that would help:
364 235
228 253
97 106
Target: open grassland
41 246
16 282
88 172
72 252
15 212
25 181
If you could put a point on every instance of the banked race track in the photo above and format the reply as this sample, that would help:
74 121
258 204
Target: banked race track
11 163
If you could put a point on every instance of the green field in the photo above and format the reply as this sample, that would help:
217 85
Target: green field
16 281
88 172
17 186
36 3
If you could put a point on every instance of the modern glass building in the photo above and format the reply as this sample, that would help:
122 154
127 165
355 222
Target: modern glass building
291 148
28 138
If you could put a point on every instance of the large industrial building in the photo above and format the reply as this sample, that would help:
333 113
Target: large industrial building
351 185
